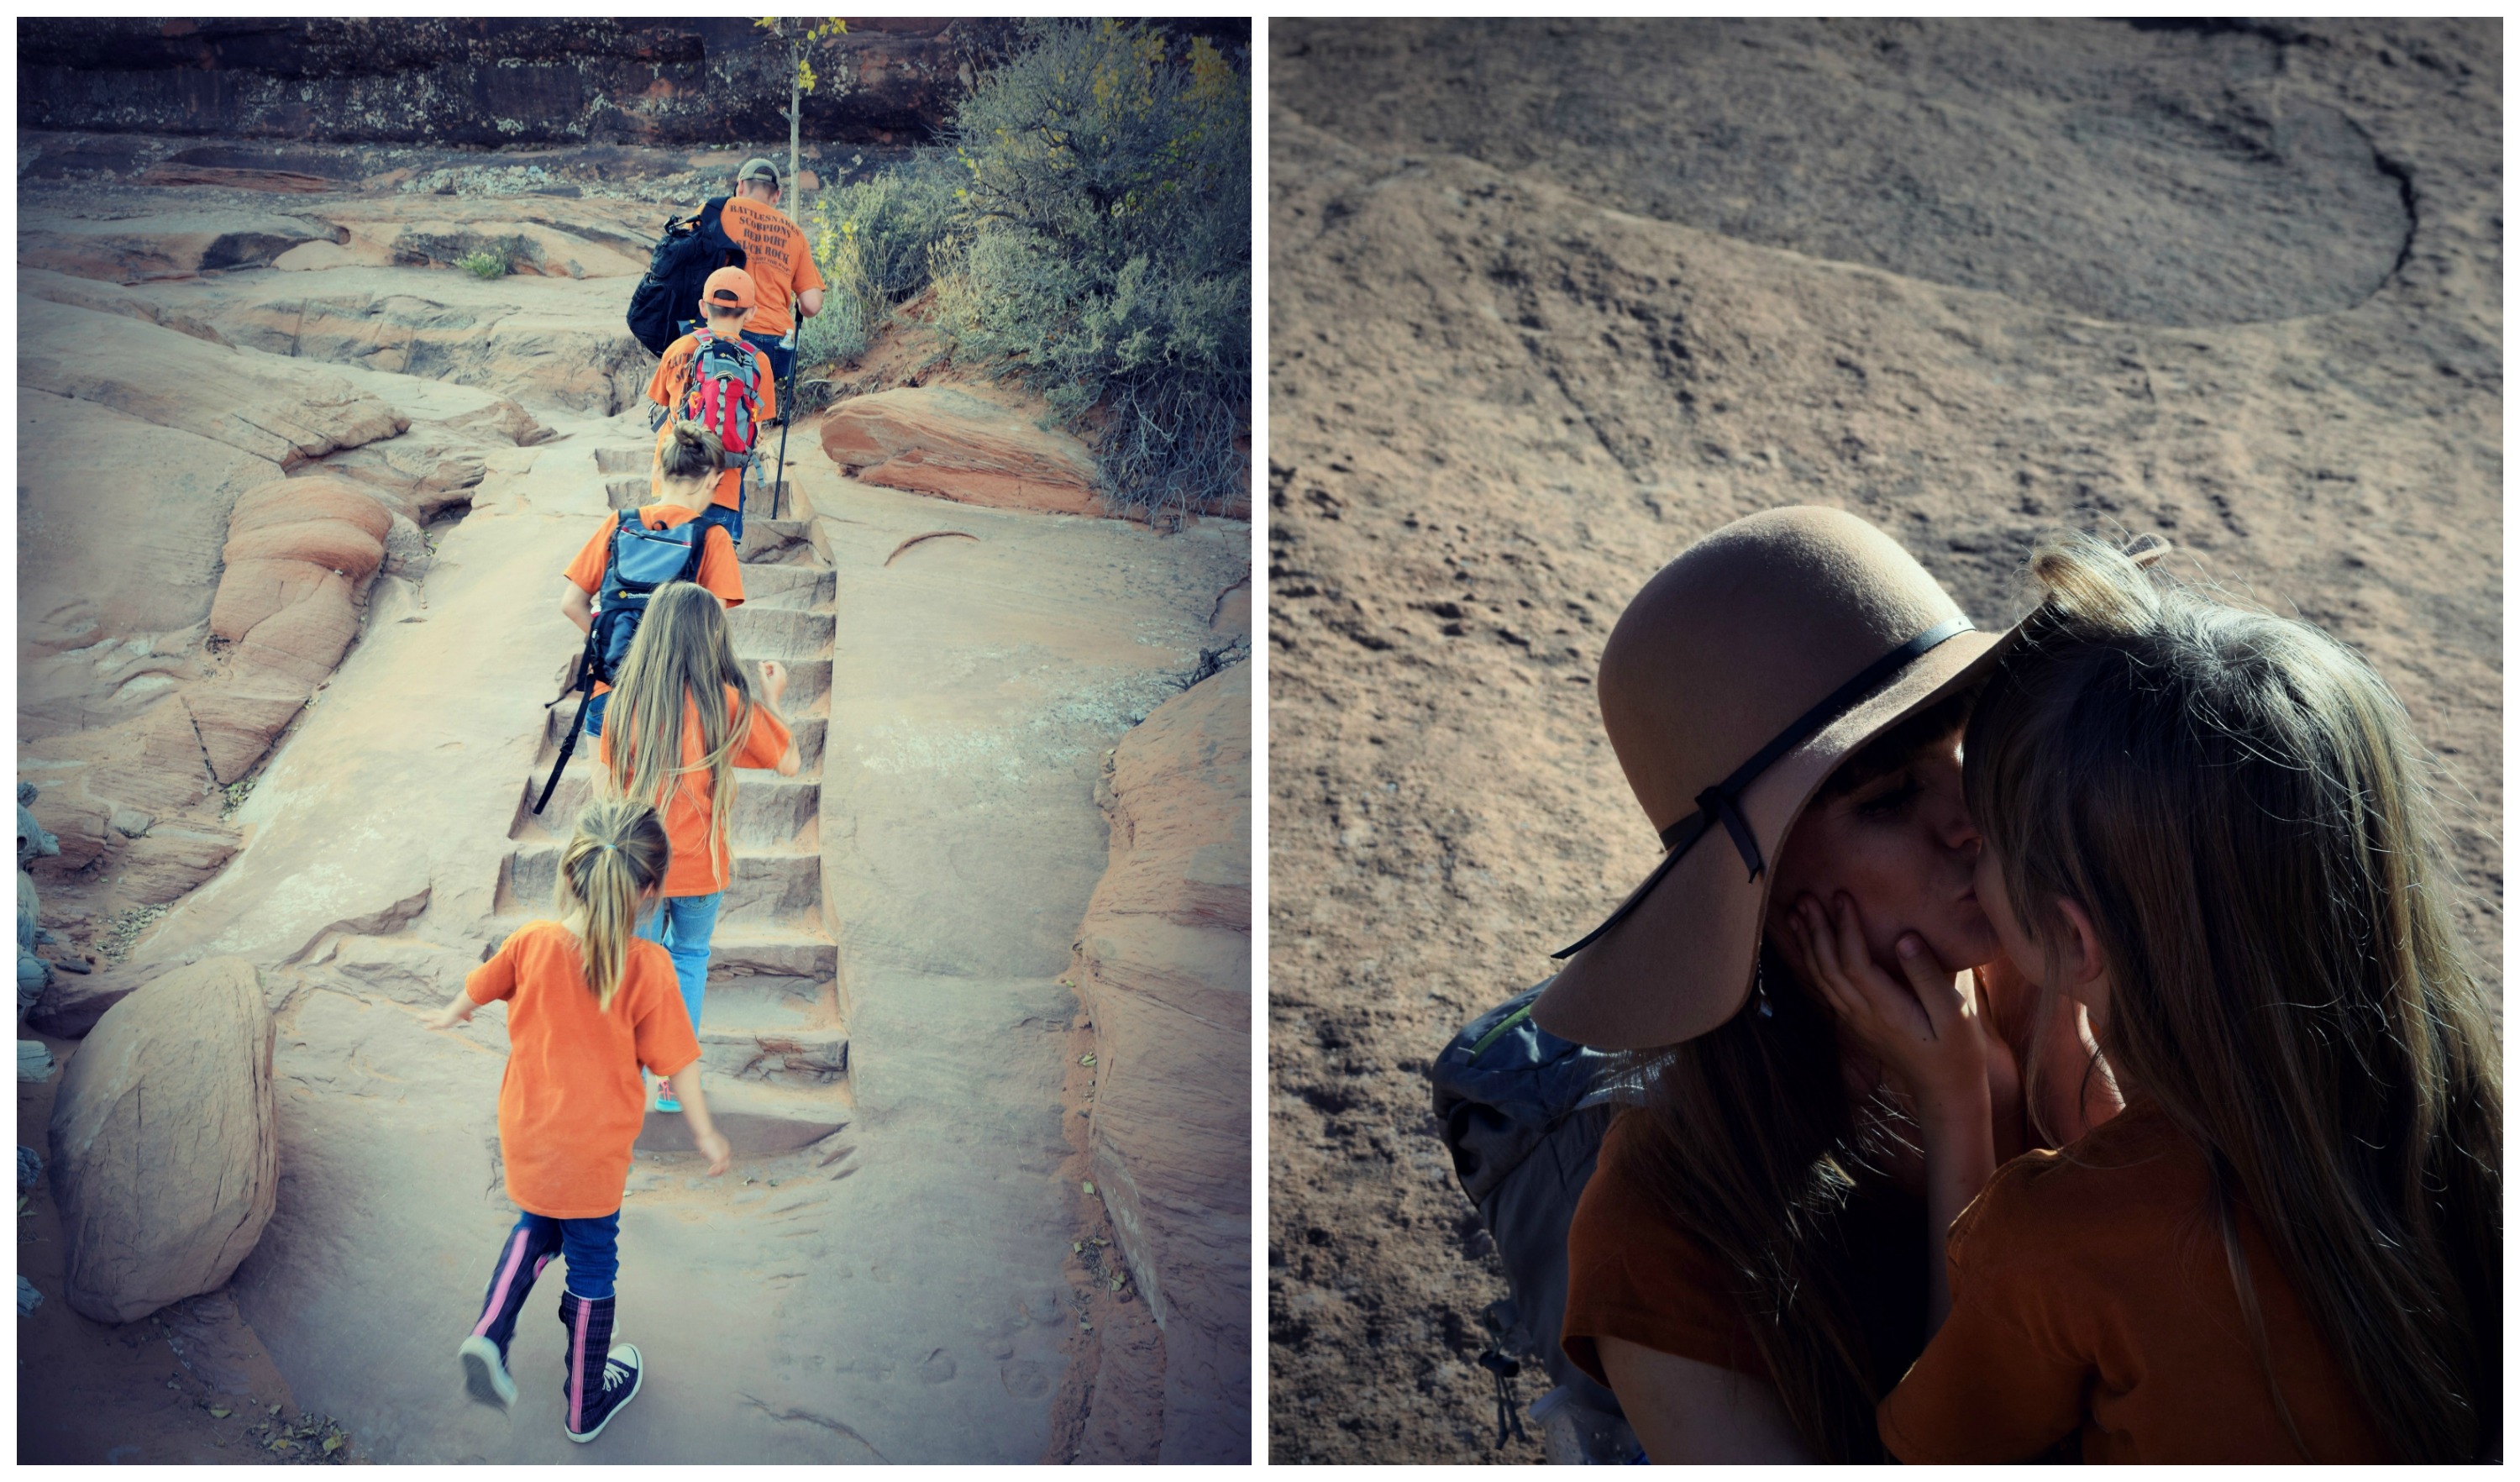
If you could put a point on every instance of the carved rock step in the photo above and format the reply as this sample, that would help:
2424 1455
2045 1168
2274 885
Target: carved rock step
777 977
785 889
757 1117
800 1058
773 814
780 633
808 729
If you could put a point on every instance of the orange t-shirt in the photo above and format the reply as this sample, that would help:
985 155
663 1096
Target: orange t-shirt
1631 1274
673 378
775 254
570 1105
2090 1292
695 872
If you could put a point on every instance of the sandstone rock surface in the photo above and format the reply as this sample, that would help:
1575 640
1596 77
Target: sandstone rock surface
165 1152
271 408
959 444
173 245
1164 970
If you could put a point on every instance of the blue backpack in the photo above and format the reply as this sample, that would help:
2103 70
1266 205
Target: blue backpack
1522 1113
640 560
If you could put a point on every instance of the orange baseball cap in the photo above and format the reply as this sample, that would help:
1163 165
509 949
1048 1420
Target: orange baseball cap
727 288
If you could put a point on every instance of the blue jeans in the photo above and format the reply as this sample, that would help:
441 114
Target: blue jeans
682 924
591 1247
781 360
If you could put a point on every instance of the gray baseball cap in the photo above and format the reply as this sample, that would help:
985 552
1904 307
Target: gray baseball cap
758 168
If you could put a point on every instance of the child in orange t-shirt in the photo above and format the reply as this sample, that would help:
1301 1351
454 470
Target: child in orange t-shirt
691 459
682 680
588 1004
726 306
2209 828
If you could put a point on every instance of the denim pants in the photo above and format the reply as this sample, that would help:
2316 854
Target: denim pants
682 924
591 1247
781 360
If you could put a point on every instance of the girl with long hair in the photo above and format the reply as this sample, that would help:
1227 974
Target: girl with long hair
685 714
2211 829
588 1005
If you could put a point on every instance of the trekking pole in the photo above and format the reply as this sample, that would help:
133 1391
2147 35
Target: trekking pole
787 414
583 685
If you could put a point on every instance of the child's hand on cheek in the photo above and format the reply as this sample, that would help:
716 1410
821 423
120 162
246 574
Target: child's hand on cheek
1924 1030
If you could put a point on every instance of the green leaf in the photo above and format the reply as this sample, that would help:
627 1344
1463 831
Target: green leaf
220 1412
332 1443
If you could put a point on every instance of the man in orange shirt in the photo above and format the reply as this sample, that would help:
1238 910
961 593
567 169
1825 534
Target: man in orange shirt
775 254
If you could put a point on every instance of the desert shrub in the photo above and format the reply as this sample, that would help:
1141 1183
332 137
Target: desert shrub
874 240
495 259
1103 253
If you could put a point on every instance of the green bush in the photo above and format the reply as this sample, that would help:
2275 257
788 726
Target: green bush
874 240
1108 254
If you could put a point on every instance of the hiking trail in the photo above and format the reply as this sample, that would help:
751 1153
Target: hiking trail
882 1275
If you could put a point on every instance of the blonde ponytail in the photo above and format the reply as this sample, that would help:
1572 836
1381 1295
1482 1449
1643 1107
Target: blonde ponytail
617 855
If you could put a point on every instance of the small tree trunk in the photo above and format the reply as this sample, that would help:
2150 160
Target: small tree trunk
796 119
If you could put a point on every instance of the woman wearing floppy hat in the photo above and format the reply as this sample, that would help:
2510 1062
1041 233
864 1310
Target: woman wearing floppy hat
1747 1268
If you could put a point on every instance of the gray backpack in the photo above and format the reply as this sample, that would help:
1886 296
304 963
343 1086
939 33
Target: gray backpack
1523 1112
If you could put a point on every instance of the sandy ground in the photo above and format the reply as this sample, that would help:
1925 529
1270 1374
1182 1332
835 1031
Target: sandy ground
1551 300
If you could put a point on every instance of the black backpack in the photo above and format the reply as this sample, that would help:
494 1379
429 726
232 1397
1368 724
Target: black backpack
670 296
1522 1113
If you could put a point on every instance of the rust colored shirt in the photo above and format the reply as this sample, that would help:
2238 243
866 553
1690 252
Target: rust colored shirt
1631 1274
695 870
2091 1294
775 254
673 378
571 1104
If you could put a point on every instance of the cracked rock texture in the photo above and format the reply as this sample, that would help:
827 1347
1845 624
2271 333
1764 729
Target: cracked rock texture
155 1208
1550 301
1165 974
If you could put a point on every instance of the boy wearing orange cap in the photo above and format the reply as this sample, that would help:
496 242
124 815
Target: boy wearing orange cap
685 380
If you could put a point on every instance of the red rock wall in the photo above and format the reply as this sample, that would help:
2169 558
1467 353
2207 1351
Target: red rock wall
1164 970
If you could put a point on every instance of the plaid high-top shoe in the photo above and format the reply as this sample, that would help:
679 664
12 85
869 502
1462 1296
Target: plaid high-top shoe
484 1352
602 1377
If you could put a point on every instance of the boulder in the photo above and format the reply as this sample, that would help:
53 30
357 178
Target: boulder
958 444
478 332
1164 972
158 1208
71 1007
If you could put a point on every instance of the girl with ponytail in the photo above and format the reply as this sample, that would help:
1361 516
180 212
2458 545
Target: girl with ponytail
2211 829
679 685
588 1004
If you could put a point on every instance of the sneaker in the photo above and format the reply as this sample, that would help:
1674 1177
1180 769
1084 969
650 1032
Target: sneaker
621 1368
486 1372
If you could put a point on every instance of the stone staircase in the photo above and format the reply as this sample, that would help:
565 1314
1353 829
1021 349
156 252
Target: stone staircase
773 1031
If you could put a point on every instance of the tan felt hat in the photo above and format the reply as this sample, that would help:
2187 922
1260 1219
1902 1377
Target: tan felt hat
1734 682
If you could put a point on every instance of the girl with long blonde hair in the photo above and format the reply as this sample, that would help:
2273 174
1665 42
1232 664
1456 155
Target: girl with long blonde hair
2210 828
685 714
588 1004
